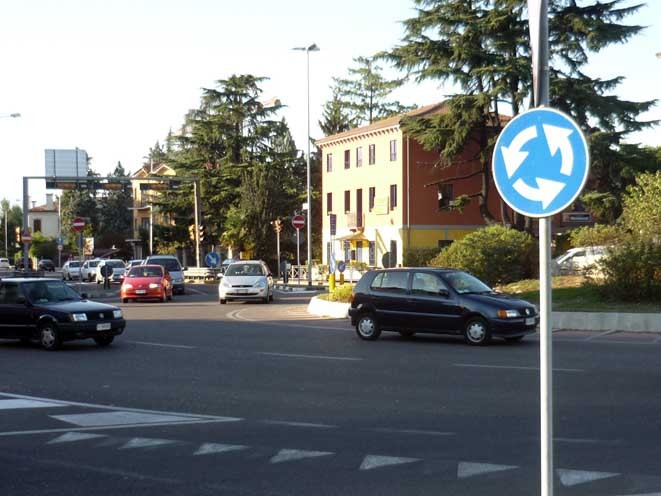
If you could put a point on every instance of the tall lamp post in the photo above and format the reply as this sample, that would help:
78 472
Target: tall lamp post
307 50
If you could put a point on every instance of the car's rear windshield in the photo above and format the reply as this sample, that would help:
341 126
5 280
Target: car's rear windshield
74 264
169 263
146 271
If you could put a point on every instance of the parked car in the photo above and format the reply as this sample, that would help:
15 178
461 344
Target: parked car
46 265
88 270
577 260
4 264
443 301
146 281
50 311
118 270
133 263
246 280
71 269
171 263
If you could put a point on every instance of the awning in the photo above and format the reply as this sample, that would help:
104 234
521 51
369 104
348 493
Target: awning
358 236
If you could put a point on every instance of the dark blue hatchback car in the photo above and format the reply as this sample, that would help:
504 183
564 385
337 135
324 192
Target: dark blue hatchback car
442 301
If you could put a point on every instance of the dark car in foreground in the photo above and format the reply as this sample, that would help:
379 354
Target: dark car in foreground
52 312
442 301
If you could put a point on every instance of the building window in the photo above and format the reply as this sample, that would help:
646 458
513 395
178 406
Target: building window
444 243
359 156
371 197
393 196
372 154
329 202
329 162
347 159
393 150
359 207
445 195
347 201
36 225
347 251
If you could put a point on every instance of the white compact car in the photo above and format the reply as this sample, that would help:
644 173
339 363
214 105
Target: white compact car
118 270
579 259
88 270
4 264
246 280
71 270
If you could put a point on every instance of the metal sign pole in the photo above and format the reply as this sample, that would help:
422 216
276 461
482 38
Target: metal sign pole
298 254
539 36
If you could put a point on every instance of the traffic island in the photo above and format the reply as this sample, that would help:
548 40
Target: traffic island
325 308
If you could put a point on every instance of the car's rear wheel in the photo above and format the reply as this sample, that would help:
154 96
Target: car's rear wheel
49 337
367 328
477 332
104 340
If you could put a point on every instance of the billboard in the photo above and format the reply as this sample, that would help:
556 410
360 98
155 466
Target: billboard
66 163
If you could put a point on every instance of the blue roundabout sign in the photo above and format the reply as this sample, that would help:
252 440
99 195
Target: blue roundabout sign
540 162
212 259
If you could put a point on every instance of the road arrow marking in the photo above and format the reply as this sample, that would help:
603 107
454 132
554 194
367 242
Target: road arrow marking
512 155
211 448
575 477
143 442
376 461
558 139
287 455
545 192
467 469
72 437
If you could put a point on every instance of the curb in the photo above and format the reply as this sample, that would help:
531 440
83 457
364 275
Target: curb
580 321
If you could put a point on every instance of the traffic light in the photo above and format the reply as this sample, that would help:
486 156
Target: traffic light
277 225
201 233
191 232
18 234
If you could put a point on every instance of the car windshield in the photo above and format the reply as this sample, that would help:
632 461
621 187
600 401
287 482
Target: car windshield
74 264
169 263
244 270
464 283
146 271
94 263
49 292
115 264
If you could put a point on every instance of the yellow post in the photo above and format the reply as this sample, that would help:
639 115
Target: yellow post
331 283
341 278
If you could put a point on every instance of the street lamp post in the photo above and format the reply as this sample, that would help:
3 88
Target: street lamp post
307 50
6 213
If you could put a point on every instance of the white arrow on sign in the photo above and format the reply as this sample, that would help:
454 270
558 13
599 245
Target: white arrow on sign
558 138
512 155
545 192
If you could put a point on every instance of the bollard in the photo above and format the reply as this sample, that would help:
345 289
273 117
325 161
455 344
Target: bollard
331 283
341 278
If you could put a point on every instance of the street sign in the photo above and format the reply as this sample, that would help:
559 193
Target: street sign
26 237
341 266
212 259
78 224
298 221
540 162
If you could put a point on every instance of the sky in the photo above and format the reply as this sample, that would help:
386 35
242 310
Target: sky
113 77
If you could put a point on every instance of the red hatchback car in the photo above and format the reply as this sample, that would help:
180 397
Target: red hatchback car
146 282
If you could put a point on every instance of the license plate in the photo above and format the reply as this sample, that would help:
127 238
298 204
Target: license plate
243 291
103 327
140 291
530 321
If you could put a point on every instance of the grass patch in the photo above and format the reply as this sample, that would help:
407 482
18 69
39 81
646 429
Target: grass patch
575 294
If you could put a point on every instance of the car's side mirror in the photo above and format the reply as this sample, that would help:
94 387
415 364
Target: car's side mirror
444 293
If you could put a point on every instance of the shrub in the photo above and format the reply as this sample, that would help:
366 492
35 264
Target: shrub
419 257
632 270
495 254
341 293
598 235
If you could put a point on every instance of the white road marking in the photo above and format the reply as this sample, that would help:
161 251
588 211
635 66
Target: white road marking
586 441
646 494
288 455
376 461
600 335
320 357
575 477
299 424
196 291
512 367
164 345
212 448
413 431
144 442
101 419
468 469
20 403
72 437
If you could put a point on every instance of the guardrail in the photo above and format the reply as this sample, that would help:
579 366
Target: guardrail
201 274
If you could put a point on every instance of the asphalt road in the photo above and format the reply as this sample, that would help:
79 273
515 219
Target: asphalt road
199 398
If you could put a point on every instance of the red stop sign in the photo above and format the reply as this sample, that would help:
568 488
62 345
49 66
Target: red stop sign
78 224
298 221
